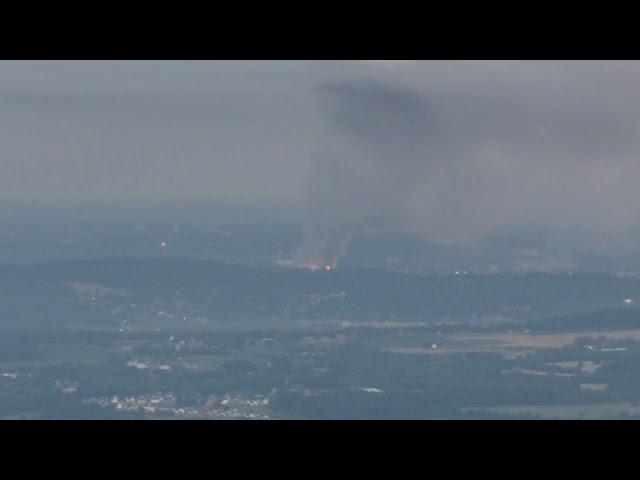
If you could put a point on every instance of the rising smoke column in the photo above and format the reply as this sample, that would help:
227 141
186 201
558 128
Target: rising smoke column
382 138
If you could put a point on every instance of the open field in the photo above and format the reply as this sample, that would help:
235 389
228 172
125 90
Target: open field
508 344
54 354
555 340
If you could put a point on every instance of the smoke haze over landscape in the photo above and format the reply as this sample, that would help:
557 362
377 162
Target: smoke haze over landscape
266 240
453 150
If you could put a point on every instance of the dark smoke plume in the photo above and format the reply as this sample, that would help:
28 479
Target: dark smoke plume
381 138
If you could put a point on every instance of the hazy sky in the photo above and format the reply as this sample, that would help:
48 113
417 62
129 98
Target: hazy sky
467 147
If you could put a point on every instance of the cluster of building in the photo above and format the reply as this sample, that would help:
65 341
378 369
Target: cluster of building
166 405
150 403
146 365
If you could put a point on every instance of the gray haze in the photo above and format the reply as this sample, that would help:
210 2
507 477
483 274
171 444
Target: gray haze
455 150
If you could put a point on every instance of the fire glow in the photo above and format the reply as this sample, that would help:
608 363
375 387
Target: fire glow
314 267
